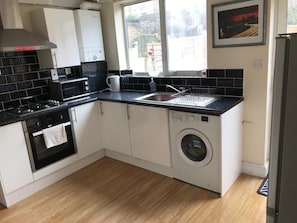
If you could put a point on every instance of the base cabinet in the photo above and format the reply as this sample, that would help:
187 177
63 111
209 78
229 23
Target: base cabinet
149 133
15 168
116 136
86 124
138 131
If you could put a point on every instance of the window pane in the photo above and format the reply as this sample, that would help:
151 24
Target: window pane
186 34
143 36
292 16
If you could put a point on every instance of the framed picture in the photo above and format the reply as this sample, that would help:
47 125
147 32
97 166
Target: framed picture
239 23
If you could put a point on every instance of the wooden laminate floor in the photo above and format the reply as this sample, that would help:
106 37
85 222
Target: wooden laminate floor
112 191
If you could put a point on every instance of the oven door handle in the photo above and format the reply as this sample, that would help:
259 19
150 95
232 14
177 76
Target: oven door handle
34 134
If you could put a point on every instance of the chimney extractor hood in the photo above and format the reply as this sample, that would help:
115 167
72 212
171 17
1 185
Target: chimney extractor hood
13 37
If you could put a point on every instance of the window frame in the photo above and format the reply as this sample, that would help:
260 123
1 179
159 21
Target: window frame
164 44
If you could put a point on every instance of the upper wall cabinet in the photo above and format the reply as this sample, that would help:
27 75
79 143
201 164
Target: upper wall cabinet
58 26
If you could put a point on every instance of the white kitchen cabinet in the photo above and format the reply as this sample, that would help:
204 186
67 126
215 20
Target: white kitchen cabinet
87 124
15 169
115 131
149 133
57 25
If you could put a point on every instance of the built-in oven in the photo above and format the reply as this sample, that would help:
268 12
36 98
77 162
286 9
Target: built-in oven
55 123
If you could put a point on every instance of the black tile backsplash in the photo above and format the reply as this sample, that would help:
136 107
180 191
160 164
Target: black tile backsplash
10 61
225 82
21 80
18 94
2 80
216 73
44 74
209 82
14 78
24 85
28 60
40 83
30 76
4 97
238 83
234 73
218 81
6 70
21 69
7 88
34 91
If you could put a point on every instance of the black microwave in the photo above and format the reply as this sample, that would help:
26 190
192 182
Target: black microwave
68 89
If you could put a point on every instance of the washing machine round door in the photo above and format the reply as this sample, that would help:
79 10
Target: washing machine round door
194 147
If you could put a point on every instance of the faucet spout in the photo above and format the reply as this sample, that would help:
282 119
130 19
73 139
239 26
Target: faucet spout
173 88
177 91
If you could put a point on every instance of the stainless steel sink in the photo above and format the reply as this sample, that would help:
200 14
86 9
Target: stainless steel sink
158 96
179 99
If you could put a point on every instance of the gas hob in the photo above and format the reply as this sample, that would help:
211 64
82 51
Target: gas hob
35 107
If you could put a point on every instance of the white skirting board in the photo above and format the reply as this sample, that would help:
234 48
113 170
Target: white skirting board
254 169
43 182
163 170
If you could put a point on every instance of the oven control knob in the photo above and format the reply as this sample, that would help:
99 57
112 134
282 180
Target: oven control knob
38 123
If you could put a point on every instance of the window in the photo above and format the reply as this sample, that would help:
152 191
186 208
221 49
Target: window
292 16
143 36
184 35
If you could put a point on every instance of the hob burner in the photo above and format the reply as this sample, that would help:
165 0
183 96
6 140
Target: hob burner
33 107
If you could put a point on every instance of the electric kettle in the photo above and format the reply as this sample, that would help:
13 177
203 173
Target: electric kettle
113 82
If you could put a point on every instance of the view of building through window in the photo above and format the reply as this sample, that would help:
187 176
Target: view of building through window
143 36
292 16
185 23
186 34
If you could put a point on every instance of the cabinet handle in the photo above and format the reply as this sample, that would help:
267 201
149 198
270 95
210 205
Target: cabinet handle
74 115
128 113
101 110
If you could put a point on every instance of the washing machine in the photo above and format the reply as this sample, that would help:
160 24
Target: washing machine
196 149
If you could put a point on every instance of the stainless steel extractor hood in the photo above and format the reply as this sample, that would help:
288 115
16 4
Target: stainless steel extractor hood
13 37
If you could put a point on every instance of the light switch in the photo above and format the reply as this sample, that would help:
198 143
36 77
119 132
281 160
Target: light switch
258 64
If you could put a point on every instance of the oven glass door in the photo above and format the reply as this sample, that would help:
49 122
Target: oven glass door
44 156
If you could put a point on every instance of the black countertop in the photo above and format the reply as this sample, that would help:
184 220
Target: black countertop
218 107
6 118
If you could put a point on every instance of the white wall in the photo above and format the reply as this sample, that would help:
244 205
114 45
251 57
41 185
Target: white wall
255 88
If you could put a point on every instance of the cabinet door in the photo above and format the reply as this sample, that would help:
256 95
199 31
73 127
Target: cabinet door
115 130
149 133
58 26
86 124
15 169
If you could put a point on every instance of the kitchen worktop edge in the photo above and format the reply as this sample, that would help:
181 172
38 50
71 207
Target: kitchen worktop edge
223 104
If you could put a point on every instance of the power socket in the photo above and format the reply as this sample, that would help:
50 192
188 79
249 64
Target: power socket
54 74
67 70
